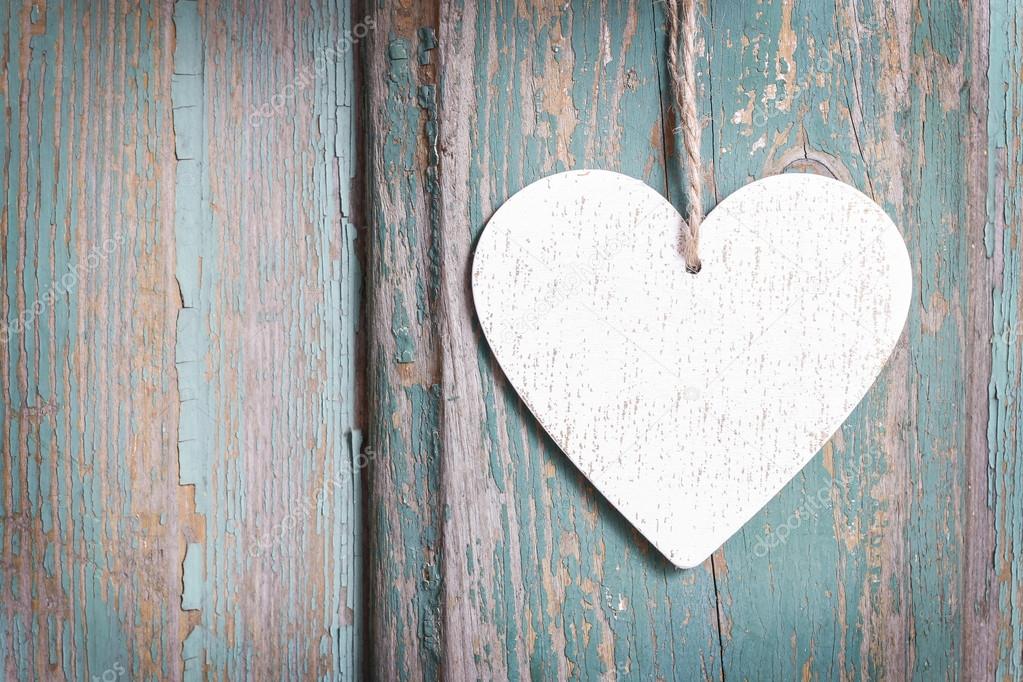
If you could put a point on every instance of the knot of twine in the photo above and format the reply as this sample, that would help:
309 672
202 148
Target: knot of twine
683 77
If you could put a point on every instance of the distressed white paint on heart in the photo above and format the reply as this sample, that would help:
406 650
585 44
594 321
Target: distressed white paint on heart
690 400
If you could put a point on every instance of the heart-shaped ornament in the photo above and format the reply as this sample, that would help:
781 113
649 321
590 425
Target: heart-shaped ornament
690 400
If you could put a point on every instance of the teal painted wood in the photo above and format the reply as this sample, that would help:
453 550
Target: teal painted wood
876 561
405 511
88 526
857 566
268 275
181 466
1002 248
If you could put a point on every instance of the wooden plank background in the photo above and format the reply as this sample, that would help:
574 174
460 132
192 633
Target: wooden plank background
182 473
894 554
180 489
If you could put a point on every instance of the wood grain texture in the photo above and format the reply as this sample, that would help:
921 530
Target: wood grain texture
88 511
405 510
180 462
1000 603
266 269
876 95
894 553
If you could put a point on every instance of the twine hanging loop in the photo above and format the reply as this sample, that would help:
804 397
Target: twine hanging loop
682 23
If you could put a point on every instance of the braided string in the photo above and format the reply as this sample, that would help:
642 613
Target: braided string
683 77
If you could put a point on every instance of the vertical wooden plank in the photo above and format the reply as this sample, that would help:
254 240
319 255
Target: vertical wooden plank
405 402
785 600
88 529
982 613
180 461
858 564
1002 246
509 565
571 87
266 265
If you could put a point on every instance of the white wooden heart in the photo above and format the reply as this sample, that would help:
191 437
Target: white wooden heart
690 400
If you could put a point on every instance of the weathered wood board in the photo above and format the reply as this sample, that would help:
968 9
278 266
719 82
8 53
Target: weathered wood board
894 554
179 473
